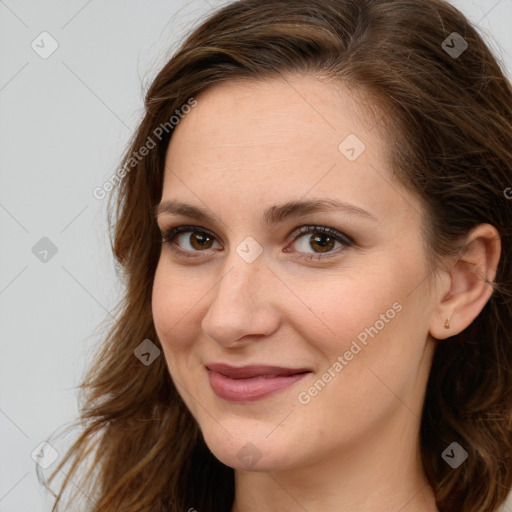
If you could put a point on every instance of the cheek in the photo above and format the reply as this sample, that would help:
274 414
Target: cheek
173 301
374 347
341 308
368 329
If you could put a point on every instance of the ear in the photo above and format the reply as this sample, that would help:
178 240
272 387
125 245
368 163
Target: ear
468 282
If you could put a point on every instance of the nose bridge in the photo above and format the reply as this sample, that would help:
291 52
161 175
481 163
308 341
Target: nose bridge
240 285
240 305
246 267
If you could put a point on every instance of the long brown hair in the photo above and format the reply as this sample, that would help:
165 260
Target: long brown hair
446 111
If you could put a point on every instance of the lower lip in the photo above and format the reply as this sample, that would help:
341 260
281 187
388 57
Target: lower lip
251 389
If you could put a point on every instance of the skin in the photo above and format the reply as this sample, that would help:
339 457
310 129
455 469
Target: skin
354 445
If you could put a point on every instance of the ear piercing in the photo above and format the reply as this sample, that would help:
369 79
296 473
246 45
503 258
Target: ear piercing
447 323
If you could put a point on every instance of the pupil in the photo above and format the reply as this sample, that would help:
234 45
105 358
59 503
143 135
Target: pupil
327 244
200 239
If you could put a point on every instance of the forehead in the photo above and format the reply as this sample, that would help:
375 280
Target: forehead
297 112
270 141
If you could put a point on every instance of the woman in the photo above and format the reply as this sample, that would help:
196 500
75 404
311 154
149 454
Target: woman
314 228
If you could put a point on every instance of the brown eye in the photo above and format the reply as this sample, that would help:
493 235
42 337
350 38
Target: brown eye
188 240
314 241
324 243
199 240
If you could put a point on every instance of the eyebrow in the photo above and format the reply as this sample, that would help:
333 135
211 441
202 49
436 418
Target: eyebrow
273 215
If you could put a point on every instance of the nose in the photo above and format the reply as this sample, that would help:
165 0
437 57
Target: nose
243 306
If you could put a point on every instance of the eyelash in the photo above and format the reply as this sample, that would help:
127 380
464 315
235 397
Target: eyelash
170 234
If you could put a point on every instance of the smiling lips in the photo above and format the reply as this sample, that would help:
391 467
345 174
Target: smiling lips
251 383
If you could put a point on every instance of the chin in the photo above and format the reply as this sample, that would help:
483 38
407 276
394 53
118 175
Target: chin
248 452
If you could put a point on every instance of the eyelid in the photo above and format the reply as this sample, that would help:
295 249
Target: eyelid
313 228
168 234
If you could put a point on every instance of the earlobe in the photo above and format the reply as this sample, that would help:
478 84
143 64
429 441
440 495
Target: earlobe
470 281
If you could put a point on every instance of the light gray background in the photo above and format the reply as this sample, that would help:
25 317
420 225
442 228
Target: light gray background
64 122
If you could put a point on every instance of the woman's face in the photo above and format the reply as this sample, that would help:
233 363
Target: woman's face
333 326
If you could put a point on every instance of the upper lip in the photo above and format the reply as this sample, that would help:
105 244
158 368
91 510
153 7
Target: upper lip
245 372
